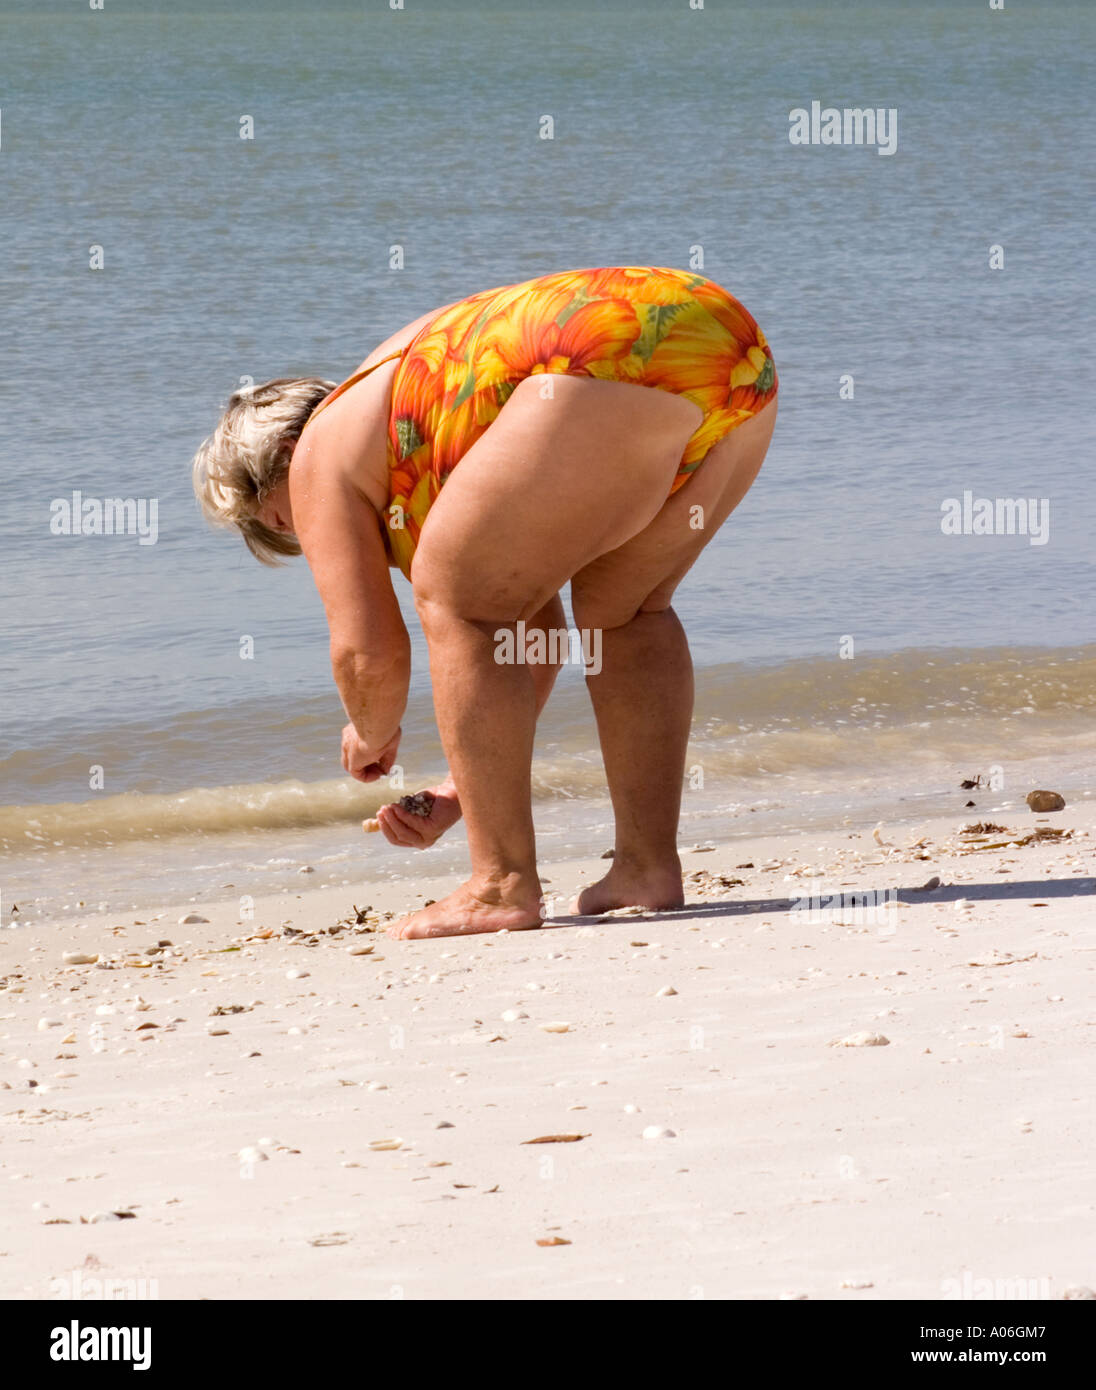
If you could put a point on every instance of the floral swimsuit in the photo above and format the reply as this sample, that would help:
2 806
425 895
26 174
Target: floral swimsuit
671 329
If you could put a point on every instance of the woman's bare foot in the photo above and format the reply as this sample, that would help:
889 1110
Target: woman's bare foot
515 906
629 885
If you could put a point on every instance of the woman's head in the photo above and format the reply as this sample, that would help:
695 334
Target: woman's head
246 459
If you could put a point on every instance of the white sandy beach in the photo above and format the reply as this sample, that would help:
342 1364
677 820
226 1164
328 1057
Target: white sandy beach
958 1153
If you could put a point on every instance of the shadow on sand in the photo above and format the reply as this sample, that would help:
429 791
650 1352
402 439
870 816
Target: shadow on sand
1037 890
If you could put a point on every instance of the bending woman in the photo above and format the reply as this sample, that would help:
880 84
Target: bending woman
595 427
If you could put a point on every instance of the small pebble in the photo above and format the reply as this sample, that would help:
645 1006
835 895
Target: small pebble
664 991
512 1015
296 974
554 1027
251 1154
78 958
658 1132
192 919
864 1039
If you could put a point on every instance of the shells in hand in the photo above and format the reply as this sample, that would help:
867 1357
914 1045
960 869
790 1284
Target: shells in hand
418 803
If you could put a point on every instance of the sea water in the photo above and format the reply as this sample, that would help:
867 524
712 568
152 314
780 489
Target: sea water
169 724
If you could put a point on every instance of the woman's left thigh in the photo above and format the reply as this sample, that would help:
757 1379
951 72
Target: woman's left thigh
642 574
572 467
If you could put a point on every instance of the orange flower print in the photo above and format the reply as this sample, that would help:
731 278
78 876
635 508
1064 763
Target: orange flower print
670 329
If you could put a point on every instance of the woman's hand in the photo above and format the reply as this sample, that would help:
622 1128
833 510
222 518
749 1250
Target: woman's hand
403 827
364 762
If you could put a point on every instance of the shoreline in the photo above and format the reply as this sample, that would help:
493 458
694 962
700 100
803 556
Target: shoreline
150 870
240 1140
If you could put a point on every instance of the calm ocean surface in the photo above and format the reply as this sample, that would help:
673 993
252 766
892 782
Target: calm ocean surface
227 257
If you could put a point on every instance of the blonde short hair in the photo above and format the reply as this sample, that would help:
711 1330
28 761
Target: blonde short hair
248 455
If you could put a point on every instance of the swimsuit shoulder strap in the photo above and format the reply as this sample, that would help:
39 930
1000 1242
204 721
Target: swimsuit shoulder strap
353 381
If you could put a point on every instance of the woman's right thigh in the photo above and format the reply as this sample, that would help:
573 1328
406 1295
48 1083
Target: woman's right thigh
556 480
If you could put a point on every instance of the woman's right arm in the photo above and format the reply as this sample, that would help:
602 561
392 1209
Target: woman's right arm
342 539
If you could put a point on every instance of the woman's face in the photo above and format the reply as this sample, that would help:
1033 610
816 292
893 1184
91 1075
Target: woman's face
275 510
